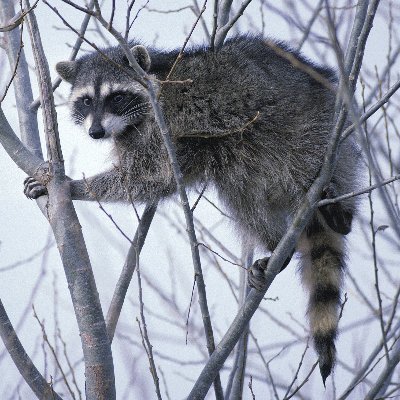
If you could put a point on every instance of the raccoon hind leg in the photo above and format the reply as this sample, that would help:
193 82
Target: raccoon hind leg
322 268
336 215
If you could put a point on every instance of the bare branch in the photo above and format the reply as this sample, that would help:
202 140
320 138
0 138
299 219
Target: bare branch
303 383
145 335
386 373
125 278
178 58
224 24
75 49
17 19
22 86
21 359
46 340
235 385
372 110
215 25
99 368
28 162
362 371
368 189
14 73
313 18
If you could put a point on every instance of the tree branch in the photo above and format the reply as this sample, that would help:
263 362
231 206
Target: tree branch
99 370
17 19
125 278
28 162
358 192
21 359
22 84
75 49
224 27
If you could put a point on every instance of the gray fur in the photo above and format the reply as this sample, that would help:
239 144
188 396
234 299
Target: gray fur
254 126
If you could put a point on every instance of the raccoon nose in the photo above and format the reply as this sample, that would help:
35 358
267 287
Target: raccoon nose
96 131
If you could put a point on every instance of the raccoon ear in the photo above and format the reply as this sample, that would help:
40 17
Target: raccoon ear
67 70
142 57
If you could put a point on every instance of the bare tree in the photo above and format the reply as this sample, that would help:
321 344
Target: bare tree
155 321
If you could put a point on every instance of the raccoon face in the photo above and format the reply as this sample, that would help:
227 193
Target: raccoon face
108 110
103 100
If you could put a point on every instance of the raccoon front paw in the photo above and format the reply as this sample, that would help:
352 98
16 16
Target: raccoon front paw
256 276
33 189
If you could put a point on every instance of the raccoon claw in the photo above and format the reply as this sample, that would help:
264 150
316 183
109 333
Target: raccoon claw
33 189
255 276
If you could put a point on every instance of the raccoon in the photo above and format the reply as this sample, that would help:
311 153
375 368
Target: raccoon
248 120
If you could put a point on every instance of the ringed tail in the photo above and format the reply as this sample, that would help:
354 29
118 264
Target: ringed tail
322 269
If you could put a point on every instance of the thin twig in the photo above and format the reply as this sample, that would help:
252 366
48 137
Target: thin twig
75 49
17 19
297 372
125 278
199 198
109 216
14 73
22 361
180 54
304 381
144 333
223 29
189 309
313 18
374 252
220 256
70 366
368 189
46 340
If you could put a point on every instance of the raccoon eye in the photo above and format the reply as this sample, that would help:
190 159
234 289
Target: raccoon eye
118 98
87 101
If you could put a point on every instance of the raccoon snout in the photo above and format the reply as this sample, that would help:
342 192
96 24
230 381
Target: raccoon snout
96 131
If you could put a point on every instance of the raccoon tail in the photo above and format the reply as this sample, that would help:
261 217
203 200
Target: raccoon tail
322 268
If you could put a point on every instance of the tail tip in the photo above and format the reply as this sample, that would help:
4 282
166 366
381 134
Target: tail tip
325 346
325 370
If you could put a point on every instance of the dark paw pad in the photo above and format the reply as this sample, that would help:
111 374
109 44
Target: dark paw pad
33 189
256 276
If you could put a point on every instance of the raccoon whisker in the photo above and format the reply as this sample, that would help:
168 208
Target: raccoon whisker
124 107
135 112
135 108
127 105
78 116
132 116
78 119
